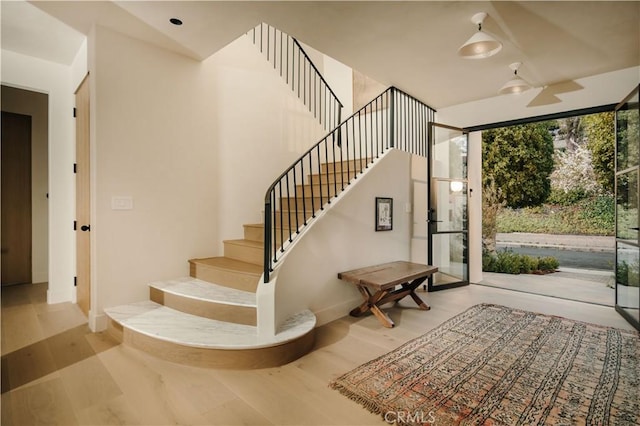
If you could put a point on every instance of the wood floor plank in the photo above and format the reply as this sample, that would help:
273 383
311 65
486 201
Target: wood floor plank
235 412
45 403
89 383
271 399
116 411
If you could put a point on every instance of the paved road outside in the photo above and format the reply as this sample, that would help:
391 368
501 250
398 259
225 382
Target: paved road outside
582 284
569 258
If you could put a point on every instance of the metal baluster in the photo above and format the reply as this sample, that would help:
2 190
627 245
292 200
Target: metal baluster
274 47
360 140
304 201
313 201
335 175
341 158
320 176
326 160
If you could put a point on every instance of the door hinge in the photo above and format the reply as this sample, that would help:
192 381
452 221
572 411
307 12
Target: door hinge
75 167
75 225
74 112
75 281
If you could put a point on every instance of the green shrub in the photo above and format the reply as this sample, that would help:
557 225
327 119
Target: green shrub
507 262
566 198
591 216
548 263
599 211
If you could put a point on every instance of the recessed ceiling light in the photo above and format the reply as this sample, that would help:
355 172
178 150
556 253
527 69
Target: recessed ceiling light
175 21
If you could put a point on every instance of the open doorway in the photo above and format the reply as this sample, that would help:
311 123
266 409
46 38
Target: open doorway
553 185
25 210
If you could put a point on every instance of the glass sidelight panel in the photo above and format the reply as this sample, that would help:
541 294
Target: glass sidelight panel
450 254
627 205
628 279
448 207
627 269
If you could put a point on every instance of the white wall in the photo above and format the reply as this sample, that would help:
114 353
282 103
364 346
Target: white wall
153 138
195 144
261 129
344 238
337 75
54 80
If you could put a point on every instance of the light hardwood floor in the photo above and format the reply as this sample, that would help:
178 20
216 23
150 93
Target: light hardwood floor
54 371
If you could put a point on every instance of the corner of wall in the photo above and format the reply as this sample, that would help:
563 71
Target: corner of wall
97 322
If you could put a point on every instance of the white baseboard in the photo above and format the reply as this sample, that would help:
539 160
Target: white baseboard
97 322
337 311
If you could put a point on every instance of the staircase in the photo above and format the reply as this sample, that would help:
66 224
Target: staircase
210 318
213 318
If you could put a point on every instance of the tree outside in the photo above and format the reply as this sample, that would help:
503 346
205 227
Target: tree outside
553 177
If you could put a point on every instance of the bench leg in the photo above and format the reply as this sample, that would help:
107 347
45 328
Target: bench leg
419 302
365 306
382 317
370 304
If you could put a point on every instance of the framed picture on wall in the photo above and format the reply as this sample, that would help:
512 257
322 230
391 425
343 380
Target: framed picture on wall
384 214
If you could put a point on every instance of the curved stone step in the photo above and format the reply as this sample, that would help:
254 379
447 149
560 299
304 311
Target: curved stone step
188 339
205 299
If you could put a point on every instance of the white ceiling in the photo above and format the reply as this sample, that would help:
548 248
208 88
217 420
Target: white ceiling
411 44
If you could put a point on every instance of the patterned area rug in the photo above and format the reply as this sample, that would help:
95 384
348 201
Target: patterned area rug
493 365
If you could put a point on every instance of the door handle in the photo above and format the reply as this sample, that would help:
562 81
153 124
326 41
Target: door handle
85 228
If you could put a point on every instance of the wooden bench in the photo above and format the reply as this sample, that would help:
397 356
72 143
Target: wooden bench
383 279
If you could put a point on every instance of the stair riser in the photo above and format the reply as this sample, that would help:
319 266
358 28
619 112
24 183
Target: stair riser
327 190
243 253
306 203
289 217
240 280
207 309
272 356
257 234
357 164
331 178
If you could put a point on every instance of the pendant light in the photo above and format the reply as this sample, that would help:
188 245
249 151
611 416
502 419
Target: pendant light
480 45
516 84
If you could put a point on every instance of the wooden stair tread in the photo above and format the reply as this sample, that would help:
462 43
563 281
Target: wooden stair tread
202 290
230 265
162 323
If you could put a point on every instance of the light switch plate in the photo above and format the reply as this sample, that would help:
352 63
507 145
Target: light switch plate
122 203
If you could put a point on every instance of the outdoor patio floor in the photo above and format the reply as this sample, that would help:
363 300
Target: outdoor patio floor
573 284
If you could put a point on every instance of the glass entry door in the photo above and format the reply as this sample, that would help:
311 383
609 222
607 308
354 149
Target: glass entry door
627 203
448 199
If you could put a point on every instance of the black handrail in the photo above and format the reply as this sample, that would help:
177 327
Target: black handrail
300 73
391 120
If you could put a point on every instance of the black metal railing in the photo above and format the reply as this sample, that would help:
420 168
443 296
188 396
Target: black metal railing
394 119
293 64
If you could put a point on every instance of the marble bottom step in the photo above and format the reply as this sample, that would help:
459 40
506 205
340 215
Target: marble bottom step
193 340
205 291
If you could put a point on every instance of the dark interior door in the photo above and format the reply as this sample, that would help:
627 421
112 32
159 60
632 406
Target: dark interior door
16 198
